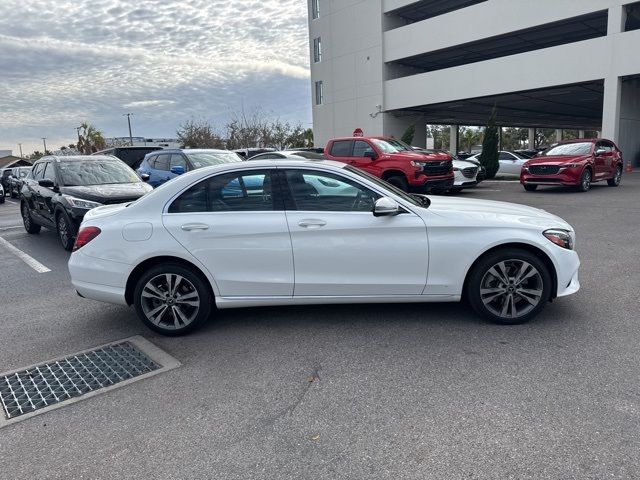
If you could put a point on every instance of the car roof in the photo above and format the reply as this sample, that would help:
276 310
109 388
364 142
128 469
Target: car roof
193 150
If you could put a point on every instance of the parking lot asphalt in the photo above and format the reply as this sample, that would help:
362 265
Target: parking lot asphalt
374 391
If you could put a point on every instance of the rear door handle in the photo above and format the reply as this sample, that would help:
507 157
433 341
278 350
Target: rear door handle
312 223
188 227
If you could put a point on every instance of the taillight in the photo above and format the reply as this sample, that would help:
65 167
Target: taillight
85 235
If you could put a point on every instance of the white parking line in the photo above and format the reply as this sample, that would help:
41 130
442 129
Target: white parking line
11 227
32 262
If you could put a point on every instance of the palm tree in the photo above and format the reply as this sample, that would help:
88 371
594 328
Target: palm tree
90 139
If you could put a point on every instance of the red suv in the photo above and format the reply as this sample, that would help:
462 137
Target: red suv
577 162
395 162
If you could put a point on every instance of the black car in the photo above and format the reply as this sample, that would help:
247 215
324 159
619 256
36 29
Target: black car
5 173
16 180
132 156
60 190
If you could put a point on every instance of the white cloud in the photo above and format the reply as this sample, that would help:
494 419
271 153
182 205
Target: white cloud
64 62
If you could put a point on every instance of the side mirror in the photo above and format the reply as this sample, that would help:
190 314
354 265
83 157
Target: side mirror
177 170
144 176
386 207
370 154
45 182
600 151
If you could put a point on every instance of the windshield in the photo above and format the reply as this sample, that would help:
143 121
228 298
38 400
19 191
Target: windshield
209 159
391 145
95 172
23 172
417 201
577 148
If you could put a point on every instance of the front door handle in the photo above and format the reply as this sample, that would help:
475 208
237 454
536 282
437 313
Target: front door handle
312 223
188 227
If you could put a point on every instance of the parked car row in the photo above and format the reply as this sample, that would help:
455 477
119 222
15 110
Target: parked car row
12 180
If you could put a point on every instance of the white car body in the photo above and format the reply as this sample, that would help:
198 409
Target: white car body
340 257
1 193
510 163
465 174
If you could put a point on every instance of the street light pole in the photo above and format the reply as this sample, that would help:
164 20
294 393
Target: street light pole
20 146
128 115
44 141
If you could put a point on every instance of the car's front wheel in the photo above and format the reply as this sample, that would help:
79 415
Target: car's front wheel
65 230
509 287
29 225
585 181
400 182
615 181
171 299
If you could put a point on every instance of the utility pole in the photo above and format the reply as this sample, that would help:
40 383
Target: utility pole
44 141
78 132
128 115
20 146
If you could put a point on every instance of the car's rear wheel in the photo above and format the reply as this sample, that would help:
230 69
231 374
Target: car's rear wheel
617 177
585 181
65 231
172 300
400 182
29 225
509 287
530 188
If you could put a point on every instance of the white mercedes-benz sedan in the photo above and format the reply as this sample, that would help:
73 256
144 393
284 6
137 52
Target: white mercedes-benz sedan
293 232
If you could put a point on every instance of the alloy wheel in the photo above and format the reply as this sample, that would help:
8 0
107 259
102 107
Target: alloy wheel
618 176
63 230
25 217
511 288
586 180
170 301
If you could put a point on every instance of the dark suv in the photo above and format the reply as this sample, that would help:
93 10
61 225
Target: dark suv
60 190
16 180
132 156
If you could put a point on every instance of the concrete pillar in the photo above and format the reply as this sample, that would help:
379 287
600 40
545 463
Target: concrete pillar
617 17
532 138
453 139
558 134
580 133
611 108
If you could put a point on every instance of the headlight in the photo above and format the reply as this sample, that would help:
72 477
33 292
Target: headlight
560 237
418 164
456 169
79 203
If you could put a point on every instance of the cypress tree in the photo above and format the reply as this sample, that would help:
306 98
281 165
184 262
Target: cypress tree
407 136
489 156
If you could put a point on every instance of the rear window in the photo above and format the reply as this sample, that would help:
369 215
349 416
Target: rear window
209 159
95 172
341 148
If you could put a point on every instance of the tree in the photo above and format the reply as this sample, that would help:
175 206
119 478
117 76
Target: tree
489 155
90 139
409 133
199 134
469 137
308 138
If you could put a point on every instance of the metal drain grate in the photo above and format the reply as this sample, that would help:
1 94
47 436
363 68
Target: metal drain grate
50 383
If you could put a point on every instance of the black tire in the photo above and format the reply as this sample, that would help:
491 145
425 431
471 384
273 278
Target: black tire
66 231
585 181
150 302
530 188
2 198
12 194
514 295
29 225
617 177
400 182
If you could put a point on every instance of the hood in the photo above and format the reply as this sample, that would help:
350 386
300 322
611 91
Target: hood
492 213
110 193
463 163
418 156
557 159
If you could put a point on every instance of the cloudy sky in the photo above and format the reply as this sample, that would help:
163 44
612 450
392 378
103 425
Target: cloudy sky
67 61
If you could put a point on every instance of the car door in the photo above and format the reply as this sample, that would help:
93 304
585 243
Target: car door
44 195
234 223
341 150
363 156
509 164
341 249
602 159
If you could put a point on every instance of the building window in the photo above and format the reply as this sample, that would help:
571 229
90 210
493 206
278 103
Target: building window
315 9
317 50
319 93
633 17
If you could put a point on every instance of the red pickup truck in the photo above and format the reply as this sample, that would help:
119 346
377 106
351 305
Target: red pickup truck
395 162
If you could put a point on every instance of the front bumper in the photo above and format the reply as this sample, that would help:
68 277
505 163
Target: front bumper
570 176
567 264
433 184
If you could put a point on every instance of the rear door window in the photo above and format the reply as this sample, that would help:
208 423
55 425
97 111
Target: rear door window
162 162
341 148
